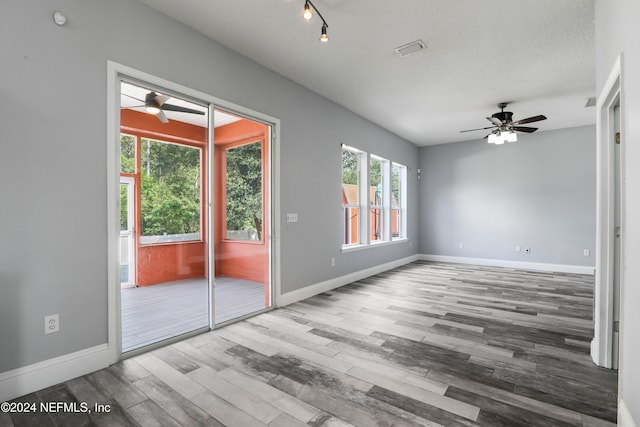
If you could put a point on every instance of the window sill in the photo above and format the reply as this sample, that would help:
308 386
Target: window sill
355 248
177 242
244 242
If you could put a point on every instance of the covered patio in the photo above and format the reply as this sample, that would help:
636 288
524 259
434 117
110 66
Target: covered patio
154 313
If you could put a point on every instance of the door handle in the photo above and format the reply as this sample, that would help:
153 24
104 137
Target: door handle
617 231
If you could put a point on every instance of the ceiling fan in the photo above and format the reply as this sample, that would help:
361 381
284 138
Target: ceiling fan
156 104
504 128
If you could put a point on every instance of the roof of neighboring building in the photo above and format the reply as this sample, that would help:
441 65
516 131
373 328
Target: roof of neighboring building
350 194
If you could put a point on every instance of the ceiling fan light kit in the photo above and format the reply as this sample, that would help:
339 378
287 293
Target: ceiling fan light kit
504 128
500 137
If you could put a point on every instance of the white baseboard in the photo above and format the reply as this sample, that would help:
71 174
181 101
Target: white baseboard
624 416
538 266
318 288
28 379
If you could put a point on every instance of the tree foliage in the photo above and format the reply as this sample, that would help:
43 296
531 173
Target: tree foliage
244 188
169 188
350 167
127 154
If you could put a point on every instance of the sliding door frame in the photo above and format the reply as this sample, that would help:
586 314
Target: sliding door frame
115 74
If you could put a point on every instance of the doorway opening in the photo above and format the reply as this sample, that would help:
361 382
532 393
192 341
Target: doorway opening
195 212
163 161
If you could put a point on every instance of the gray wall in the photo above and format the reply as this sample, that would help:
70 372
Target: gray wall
53 158
616 32
538 192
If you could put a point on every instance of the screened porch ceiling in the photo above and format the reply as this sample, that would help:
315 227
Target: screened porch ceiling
132 97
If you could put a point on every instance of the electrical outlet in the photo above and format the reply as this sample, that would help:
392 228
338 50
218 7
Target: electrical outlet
461 245
518 248
333 262
51 324
527 251
586 252
292 217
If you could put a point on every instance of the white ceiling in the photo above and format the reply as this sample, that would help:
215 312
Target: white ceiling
537 54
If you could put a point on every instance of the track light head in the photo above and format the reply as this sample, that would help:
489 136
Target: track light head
324 37
307 14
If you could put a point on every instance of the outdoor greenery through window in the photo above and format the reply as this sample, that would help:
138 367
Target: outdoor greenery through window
398 191
127 154
170 192
124 214
351 160
377 172
244 192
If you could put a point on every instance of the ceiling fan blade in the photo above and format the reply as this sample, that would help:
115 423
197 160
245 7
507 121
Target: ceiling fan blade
131 107
524 129
495 121
171 107
529 120
473 130
132 97
161 99
161 116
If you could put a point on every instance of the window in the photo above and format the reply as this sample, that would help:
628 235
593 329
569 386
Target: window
244 192
398 201
170 192
377 176
351 175
127 153
374 212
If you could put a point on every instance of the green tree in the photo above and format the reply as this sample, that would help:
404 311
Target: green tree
127 154
170 188
350 167
244 188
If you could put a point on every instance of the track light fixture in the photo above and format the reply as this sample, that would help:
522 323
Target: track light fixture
307 14
324 37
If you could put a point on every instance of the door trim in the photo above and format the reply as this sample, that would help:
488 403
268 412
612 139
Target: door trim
610 96
115 72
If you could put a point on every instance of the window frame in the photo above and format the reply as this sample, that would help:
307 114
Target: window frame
139 172
366 205
402 203
383 207
360 205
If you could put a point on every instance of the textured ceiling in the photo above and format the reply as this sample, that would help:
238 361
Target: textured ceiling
536 54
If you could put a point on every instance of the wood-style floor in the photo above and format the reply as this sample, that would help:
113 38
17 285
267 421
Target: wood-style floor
151 314
426 344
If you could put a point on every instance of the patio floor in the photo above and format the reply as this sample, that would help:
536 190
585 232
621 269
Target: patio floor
154 313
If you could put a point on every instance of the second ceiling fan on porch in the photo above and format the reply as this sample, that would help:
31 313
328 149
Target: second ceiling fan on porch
156 104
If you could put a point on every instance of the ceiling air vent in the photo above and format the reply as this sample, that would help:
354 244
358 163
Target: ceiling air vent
591 102
410 48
